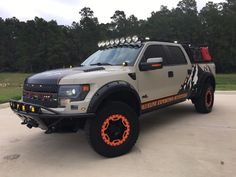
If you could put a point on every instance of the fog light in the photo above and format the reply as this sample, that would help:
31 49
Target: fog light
32 109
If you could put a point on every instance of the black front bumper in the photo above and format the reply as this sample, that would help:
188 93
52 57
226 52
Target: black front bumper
38 116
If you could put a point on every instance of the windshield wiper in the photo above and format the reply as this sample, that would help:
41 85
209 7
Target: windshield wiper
99 64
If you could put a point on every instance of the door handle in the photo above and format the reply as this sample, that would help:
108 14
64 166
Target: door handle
170 74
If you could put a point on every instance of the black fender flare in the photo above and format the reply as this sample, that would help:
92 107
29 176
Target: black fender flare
112 88
205 78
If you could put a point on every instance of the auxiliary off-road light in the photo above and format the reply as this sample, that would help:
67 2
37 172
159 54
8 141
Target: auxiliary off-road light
117 41
103 44
135 39
107 43
128 39
122 40
99 44
112 42
32 109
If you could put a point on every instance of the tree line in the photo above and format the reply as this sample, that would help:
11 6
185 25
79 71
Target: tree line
37 45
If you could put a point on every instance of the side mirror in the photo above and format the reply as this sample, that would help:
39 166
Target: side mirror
151 64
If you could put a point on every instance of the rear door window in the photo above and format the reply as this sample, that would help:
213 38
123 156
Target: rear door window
176 56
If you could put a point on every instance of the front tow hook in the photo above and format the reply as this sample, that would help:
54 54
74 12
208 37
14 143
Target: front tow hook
30 123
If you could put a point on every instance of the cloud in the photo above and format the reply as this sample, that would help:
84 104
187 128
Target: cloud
63 11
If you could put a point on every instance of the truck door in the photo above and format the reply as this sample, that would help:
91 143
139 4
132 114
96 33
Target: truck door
166 81
179 67
154 84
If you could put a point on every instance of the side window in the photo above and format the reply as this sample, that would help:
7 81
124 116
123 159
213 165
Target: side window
154 51
176 56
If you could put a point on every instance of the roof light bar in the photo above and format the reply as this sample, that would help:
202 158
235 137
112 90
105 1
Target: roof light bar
119 41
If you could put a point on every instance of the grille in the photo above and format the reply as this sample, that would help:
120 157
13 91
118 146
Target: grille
44 95
41 88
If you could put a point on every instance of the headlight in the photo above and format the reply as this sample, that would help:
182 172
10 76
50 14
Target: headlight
68 93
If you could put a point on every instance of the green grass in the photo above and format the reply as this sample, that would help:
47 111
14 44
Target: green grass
11 84
226 82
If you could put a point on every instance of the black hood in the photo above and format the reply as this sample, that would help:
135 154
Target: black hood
54 76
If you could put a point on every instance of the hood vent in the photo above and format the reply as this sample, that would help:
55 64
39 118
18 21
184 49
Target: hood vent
94 69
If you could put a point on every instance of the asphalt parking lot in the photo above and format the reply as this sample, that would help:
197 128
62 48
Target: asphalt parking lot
173 142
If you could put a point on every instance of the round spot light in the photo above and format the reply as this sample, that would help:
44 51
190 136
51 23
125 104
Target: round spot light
122 40
128 39
112 42
117 41
107 43
135 39
100 44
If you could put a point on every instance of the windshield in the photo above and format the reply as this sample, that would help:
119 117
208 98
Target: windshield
114 56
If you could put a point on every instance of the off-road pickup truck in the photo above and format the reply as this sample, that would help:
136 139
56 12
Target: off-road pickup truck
112 88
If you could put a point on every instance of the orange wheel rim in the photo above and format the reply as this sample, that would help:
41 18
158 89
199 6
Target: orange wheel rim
208 98
115 130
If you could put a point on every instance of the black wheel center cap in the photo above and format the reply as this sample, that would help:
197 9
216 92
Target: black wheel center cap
115 130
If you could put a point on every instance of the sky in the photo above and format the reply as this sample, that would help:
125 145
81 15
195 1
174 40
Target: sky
67 11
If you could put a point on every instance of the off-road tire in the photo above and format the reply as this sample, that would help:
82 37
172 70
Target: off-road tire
95 129
204 103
